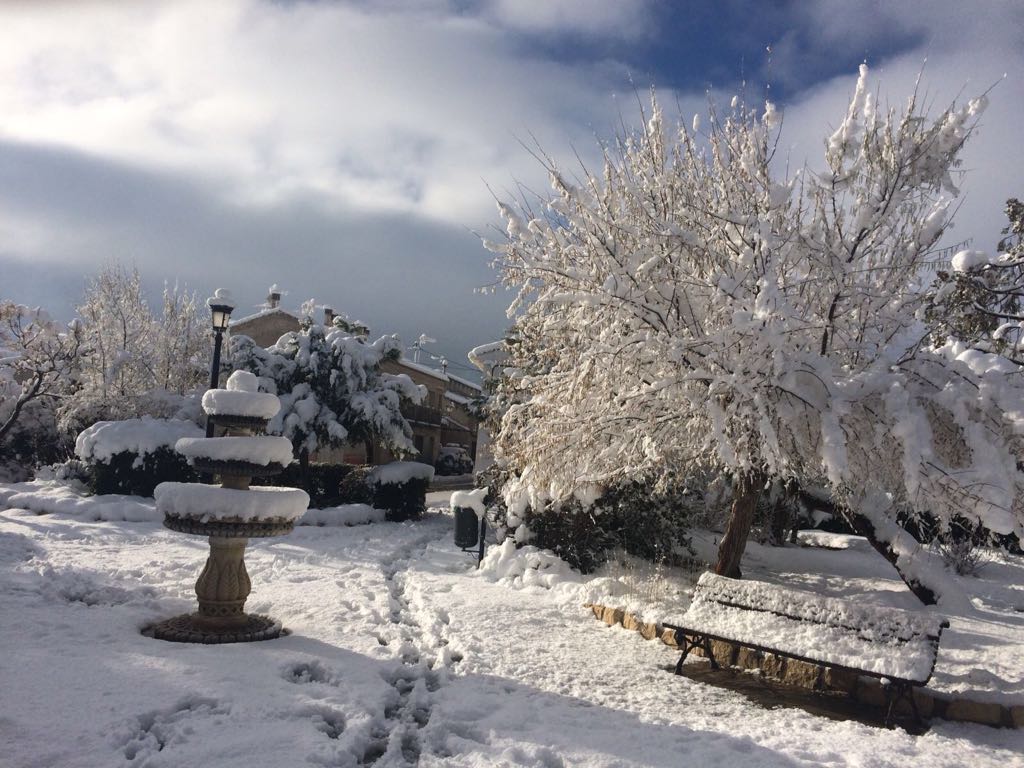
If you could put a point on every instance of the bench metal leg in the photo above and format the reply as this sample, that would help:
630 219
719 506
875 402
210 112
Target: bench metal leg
709 653
893 693
684 642
701 641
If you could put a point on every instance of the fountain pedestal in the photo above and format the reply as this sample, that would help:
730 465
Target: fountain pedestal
224 584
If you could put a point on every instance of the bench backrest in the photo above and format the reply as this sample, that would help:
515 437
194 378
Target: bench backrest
870 622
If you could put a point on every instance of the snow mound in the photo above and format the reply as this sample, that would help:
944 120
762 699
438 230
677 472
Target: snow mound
470 500
398 472
965 261
243 381
262 450
211 502
140 436
49 498
227 402
528 567
346 514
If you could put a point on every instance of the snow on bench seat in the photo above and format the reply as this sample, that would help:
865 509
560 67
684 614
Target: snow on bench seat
880 641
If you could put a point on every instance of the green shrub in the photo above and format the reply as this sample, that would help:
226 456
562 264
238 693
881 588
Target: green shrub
129 473
355 487
328 485
400 489
631 516
401 501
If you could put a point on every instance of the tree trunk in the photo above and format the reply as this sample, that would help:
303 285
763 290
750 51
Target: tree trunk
741 518
864 527
883 545
25 397
779 522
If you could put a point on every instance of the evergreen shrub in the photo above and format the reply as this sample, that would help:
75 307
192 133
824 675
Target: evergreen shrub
328 485
400 489
631 516
401 501
137 475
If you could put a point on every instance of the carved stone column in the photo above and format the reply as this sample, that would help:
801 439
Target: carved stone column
223 585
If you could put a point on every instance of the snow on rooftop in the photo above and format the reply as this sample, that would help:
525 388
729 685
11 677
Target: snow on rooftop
262 313
456 424
423 369
465 382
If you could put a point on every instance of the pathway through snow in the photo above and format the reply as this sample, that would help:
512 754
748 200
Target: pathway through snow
401 654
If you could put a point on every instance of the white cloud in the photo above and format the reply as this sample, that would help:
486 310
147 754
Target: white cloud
593 18
323 120
392 111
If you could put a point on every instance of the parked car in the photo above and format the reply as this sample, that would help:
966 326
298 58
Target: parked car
453 460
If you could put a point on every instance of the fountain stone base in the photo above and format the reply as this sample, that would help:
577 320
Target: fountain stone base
192 628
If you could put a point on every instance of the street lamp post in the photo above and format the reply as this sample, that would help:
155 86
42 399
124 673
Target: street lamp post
220 305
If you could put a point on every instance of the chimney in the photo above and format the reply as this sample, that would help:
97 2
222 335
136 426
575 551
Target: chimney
274 297
328 317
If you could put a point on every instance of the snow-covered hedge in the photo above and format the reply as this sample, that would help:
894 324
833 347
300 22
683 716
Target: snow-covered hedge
135 455
104 439
582 530
400 488
328 485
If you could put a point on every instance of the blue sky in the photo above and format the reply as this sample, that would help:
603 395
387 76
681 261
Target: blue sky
345 150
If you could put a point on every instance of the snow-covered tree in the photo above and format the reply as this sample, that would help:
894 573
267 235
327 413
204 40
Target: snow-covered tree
181 342
981 299
37 358
694 313
117 364
331 388
135 363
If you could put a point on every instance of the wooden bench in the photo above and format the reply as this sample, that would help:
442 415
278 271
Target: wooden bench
897 647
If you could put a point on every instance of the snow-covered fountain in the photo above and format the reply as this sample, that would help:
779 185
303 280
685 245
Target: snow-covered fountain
230 513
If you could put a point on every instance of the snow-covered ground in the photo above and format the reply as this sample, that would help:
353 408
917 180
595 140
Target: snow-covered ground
402 653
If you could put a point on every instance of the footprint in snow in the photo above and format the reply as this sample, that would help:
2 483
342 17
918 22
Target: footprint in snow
329 722
307 672
156 730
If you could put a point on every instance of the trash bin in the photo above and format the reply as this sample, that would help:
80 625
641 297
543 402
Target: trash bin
467 528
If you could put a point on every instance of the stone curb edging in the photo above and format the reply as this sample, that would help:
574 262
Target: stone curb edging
865 690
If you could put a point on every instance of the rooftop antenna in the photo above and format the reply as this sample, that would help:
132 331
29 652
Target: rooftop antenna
418 345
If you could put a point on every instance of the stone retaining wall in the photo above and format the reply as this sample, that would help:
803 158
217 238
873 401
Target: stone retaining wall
865 689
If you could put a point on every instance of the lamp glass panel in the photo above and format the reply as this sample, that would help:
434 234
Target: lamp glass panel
220 318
